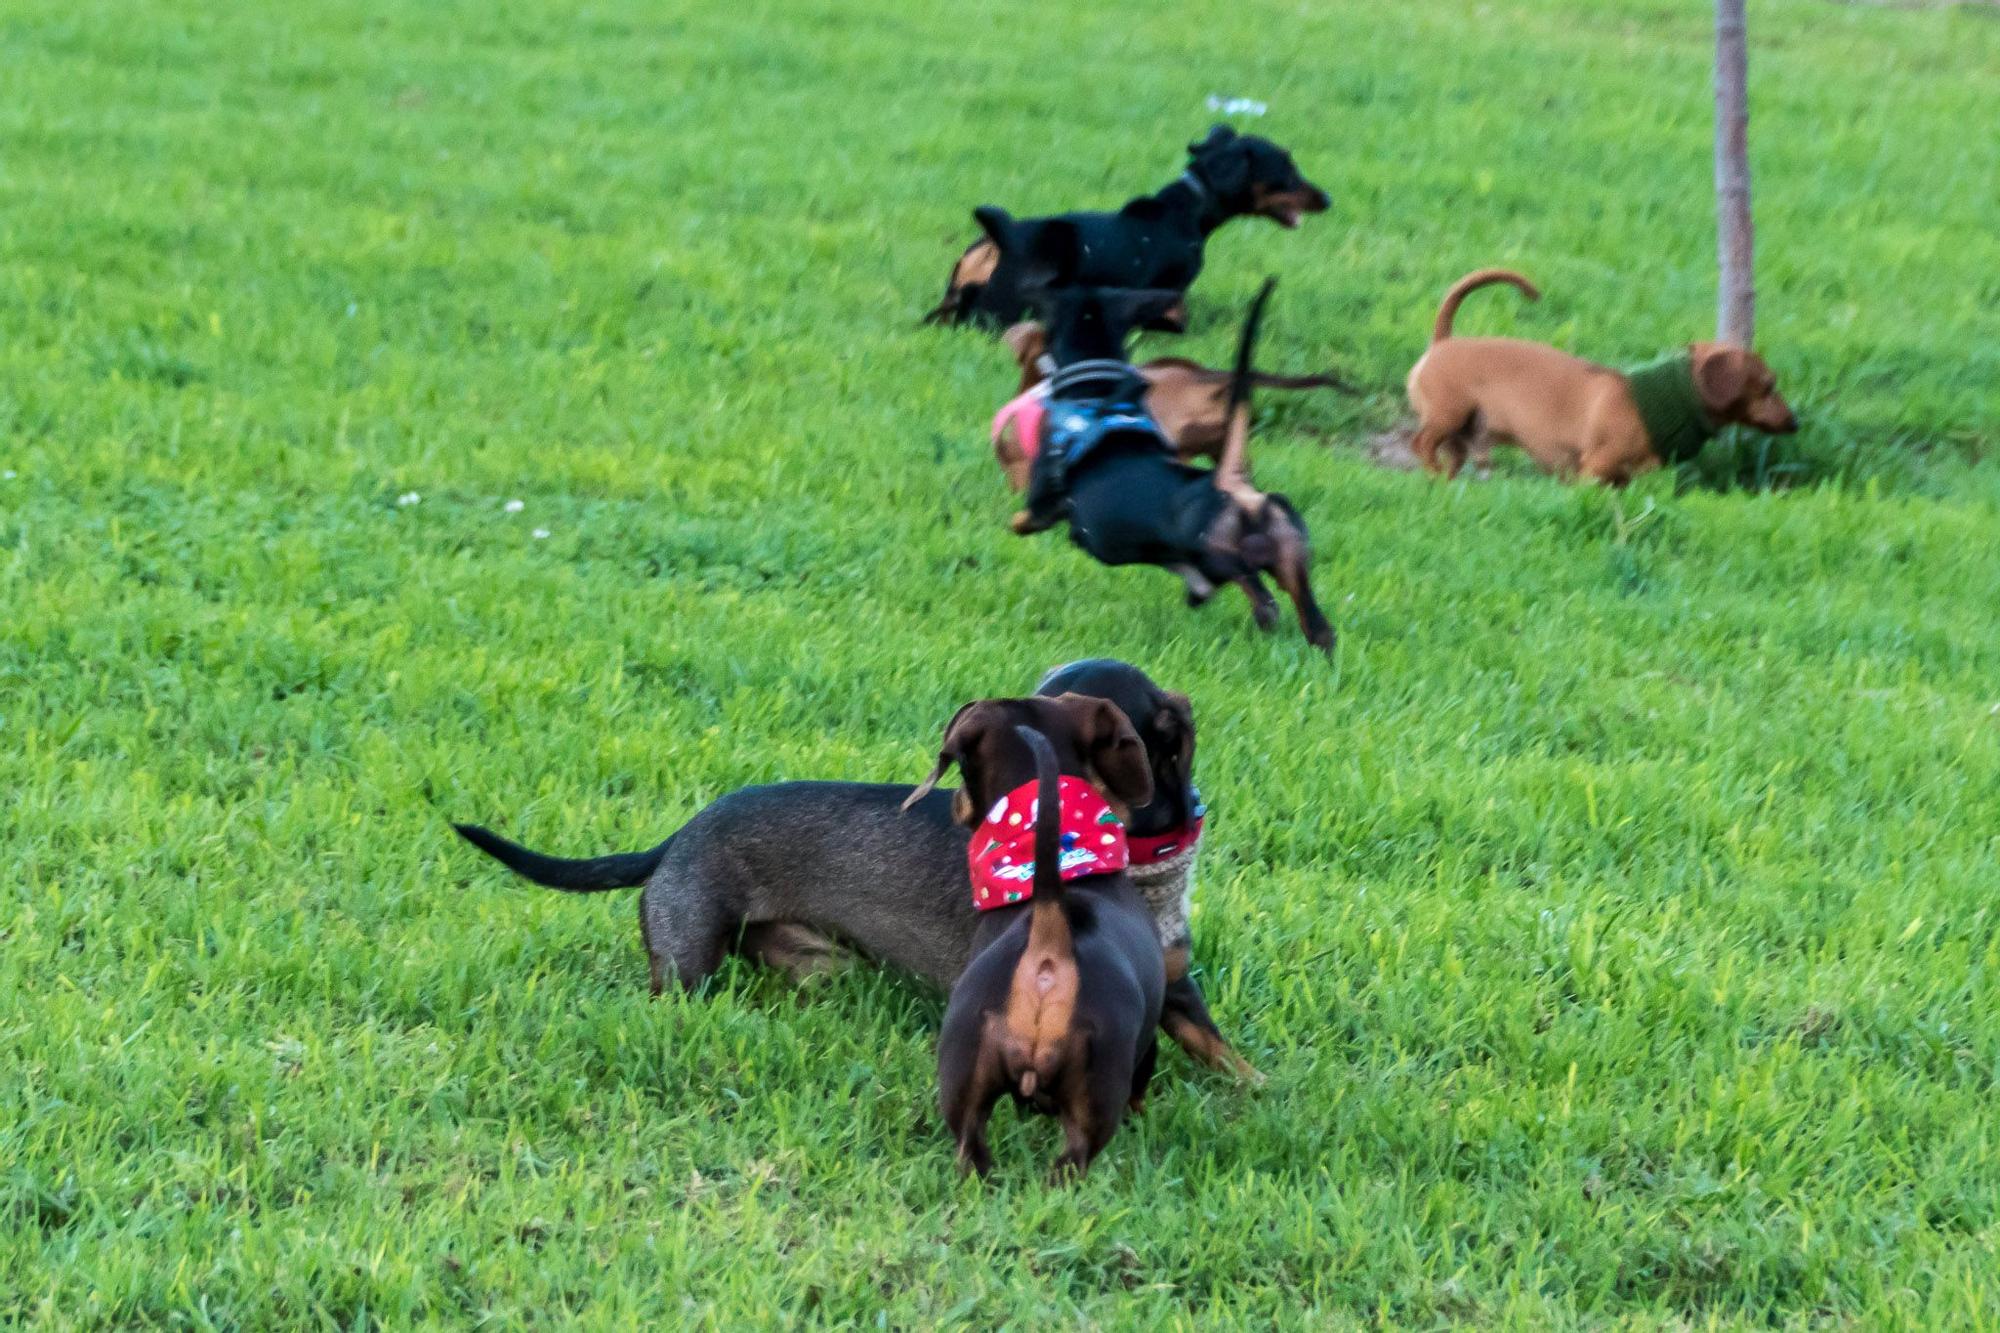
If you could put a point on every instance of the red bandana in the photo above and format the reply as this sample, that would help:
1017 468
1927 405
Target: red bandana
1001 856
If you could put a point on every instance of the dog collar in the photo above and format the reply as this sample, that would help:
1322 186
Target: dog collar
1001 856
1676 422
1165 846
1210 212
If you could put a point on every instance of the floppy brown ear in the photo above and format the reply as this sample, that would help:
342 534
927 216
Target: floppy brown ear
961 737
947 756
1116 755
1721 375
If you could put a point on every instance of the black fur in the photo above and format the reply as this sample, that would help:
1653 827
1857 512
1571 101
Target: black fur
1154 241
1129 501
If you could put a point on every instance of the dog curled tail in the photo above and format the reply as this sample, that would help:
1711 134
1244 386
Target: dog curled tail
1232 468
1469 284
1041 1003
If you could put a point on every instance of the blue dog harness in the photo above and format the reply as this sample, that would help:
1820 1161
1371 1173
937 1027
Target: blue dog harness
1089 402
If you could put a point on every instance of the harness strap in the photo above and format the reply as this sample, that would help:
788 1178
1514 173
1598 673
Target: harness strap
1089 372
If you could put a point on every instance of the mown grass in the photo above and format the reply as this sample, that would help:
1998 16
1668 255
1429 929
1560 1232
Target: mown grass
1613 919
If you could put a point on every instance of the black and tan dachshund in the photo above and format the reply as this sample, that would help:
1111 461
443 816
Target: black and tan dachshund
1105 466
1059 1006
1155 241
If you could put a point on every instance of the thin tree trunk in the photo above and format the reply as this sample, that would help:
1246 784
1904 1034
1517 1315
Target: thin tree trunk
1737 296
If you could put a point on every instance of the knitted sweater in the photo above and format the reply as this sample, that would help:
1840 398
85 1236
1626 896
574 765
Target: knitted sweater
1677 424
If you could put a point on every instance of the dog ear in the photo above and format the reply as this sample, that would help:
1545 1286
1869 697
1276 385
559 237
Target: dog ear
1218 135
1173 721
1026 340
1221 163
1112 749
961 737
997 223
1721 375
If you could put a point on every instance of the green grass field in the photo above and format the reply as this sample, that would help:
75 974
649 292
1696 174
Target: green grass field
1614 918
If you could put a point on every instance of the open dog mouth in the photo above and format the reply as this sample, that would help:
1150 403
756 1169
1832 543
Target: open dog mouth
1287 209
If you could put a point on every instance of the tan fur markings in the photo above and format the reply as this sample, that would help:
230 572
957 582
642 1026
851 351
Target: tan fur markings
1041 1003
976 264
1209 1047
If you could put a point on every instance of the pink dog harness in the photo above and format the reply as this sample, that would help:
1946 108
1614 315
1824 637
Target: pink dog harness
1024 413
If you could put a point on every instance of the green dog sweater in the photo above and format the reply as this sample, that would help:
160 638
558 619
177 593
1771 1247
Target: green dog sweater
1676 423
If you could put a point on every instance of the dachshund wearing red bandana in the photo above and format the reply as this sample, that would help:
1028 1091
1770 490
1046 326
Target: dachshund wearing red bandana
1060 1006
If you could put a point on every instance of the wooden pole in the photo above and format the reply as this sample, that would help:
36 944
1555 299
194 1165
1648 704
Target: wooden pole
1737 294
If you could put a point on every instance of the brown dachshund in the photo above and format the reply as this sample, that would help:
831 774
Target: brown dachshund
1575 417
1060 1006
1189 401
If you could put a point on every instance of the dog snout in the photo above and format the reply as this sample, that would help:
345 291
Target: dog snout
1317 200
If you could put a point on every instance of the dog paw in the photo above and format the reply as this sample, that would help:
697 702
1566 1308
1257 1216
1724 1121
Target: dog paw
1068 1169
975 1160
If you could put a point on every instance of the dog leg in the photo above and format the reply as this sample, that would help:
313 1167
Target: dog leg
686 933
973 1154
1089 1118
1263 606
1424 444
1199 589
1142 1077
969 1085
1026 523
798 951
1294 556
1186 1019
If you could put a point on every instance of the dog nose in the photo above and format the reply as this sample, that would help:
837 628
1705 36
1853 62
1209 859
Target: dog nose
1321 201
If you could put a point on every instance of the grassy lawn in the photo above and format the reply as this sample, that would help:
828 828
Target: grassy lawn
1615 918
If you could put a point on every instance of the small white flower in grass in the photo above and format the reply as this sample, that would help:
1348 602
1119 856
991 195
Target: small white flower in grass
540 534
408 498
1236 106
514 506
9 475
